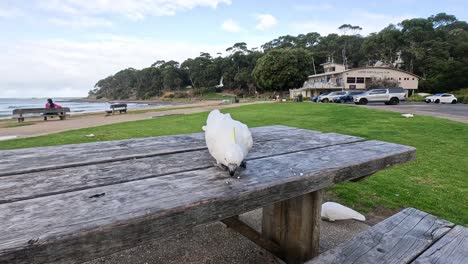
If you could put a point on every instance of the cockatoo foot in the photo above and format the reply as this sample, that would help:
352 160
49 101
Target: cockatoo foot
243 164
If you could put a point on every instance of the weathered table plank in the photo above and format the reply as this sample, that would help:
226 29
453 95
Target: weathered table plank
451 248
43 183
81 225
44 158
398 239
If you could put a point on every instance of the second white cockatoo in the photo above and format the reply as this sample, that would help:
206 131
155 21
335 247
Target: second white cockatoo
334 211
228 140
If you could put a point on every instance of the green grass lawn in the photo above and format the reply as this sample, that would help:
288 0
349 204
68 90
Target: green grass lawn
436 182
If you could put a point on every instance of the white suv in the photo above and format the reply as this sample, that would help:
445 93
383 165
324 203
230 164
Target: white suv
389 96
441 98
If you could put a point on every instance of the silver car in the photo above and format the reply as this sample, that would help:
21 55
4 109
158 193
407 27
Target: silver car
329 97
389 96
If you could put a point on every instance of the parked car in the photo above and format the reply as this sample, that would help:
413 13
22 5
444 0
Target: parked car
389 96
348 97
441 98
325 98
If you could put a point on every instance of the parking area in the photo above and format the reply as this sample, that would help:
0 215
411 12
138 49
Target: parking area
456 112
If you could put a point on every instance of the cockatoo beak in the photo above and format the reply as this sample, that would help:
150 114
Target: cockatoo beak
232 169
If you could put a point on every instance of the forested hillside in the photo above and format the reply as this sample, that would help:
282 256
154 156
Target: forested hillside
435 48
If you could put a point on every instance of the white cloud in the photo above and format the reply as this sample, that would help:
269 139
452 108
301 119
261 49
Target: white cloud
314 7
231 26
81 22
370 22
58 67
6 12
132 9
266 21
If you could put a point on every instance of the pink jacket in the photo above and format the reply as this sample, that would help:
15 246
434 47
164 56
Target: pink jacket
56 105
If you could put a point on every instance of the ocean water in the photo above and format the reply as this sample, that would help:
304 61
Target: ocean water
8 104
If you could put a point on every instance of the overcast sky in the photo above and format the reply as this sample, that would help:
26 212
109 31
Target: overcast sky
56 48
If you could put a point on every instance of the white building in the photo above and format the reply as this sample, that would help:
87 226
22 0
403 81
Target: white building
337 78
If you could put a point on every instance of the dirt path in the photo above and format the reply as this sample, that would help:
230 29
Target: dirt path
39 127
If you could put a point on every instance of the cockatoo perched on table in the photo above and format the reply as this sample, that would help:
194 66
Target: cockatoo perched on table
228 140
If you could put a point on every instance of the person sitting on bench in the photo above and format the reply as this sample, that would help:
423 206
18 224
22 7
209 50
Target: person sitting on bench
51 105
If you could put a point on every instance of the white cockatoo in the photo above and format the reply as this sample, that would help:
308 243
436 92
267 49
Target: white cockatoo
228 140
334 211
407 115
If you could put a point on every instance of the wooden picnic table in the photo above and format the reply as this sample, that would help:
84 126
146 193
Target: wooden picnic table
72 203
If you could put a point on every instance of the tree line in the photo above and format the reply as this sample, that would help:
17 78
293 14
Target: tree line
434 48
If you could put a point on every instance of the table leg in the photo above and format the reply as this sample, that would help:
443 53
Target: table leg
295 225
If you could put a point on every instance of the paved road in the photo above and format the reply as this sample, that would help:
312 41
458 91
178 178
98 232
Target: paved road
455 112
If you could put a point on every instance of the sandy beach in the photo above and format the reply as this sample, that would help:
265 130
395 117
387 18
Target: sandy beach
36 126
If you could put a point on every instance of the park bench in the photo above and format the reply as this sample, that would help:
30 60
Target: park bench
114 108
46 112
411 236
72 203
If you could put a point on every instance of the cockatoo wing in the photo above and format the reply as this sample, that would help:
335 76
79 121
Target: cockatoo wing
335 211
243 137
217 135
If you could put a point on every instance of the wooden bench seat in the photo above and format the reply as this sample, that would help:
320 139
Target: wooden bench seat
114 108
451 248
411 236
46 112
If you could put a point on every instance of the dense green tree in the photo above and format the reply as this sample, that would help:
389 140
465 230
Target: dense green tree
345 28
383 46
435 48
202 70
149 83
281 69
118 86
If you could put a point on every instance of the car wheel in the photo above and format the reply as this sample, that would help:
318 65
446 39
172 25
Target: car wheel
437 101
454 101
325 100
394 101
427 101
363 101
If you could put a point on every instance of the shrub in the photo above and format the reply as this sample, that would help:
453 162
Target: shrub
238 92
167 95
180 94
206 90
415 98
462 99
